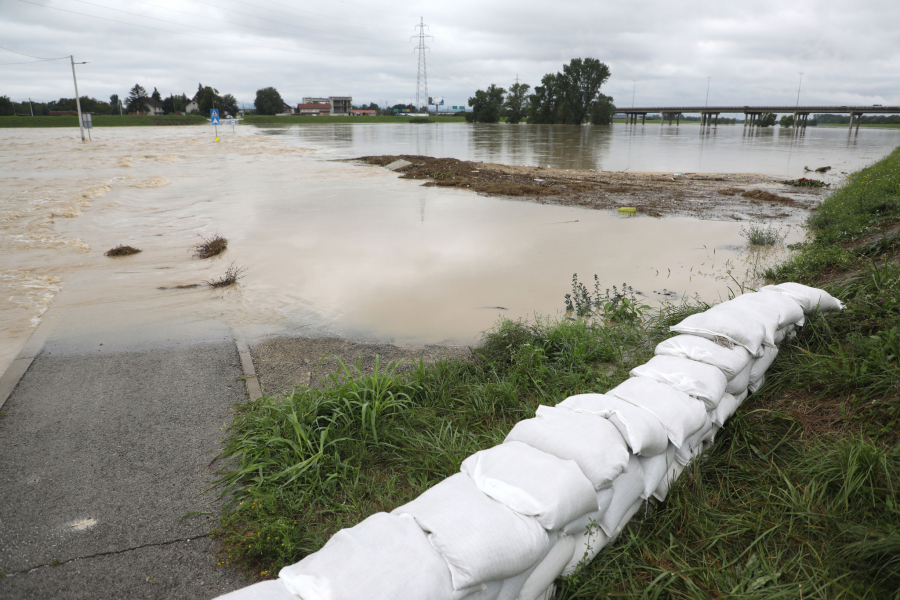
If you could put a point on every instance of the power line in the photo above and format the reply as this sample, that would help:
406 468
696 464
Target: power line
199 37
39 58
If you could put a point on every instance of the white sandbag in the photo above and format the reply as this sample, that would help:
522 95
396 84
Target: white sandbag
754 386
587 545
730 361
789 332
488 591
700 380
680 414
549 569
756 313
552 490
655 468
626 518
788 311
739 384
742 396
643 432
693 445
727 407
672 474
580 525
628 487
591 441
810 299
760 366
480 538
264 590
725 325
389 557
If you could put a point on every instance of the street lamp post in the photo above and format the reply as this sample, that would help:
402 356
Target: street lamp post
633 88
798 89
707 92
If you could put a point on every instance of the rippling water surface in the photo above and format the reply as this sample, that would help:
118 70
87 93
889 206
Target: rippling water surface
336 248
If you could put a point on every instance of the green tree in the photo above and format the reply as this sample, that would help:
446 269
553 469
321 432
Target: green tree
603 110
767 119
573 96
88 105
207 99
156 95
544 102
137 99
486 105
515 106
581 81
268 101
786 121
229 105
114 104
6 107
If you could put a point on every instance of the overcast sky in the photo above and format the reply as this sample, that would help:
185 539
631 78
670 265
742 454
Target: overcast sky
664 51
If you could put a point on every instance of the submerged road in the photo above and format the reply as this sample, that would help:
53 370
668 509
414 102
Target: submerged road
104 449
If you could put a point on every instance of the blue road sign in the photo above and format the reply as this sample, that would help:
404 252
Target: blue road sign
214 116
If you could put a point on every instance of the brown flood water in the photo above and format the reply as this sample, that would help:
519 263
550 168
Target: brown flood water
330 248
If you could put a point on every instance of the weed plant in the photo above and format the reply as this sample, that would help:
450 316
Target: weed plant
757 235
798 498
232 275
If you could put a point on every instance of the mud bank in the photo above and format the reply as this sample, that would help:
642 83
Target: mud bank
720 196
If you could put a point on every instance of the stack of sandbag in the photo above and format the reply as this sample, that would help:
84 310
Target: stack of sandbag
565 483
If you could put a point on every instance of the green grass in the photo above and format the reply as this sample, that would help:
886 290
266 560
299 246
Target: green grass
797 499
311 120
103 121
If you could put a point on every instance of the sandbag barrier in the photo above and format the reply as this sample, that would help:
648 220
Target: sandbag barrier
565 483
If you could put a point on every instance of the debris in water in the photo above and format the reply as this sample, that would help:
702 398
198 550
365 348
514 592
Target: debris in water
819 170
804 182
122 250
210 246
231 276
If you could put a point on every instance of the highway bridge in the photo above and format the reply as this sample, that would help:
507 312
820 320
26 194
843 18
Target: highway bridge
709 115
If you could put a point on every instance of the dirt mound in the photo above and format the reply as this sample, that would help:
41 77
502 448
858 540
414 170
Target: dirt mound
767 196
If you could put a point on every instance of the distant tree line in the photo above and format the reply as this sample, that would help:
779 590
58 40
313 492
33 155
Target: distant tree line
135 102
864 120
571 97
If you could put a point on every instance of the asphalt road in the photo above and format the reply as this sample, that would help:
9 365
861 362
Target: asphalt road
105 448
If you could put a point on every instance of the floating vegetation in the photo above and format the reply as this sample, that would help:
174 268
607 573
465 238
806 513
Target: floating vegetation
804 182
122 250
210 246
231 276
187 286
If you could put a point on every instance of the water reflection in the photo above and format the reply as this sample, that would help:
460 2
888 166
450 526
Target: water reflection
775 151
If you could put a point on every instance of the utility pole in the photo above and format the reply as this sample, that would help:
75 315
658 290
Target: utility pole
77 101
422 78
707 91
32 106
798 90
174 109
633 88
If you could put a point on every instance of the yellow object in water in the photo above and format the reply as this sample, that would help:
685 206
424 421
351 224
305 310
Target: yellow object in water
627 209
217 139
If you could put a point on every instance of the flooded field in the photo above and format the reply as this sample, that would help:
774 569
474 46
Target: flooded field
329 248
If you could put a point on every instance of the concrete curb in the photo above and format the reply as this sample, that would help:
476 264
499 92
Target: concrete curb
20 364
253 388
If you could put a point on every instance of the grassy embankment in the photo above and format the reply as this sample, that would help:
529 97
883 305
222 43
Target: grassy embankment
103 121
797 499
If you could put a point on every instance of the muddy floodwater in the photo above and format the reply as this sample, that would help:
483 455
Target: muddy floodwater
329 248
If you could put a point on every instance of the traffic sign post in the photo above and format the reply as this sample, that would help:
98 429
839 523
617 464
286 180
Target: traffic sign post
86 123
214 119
